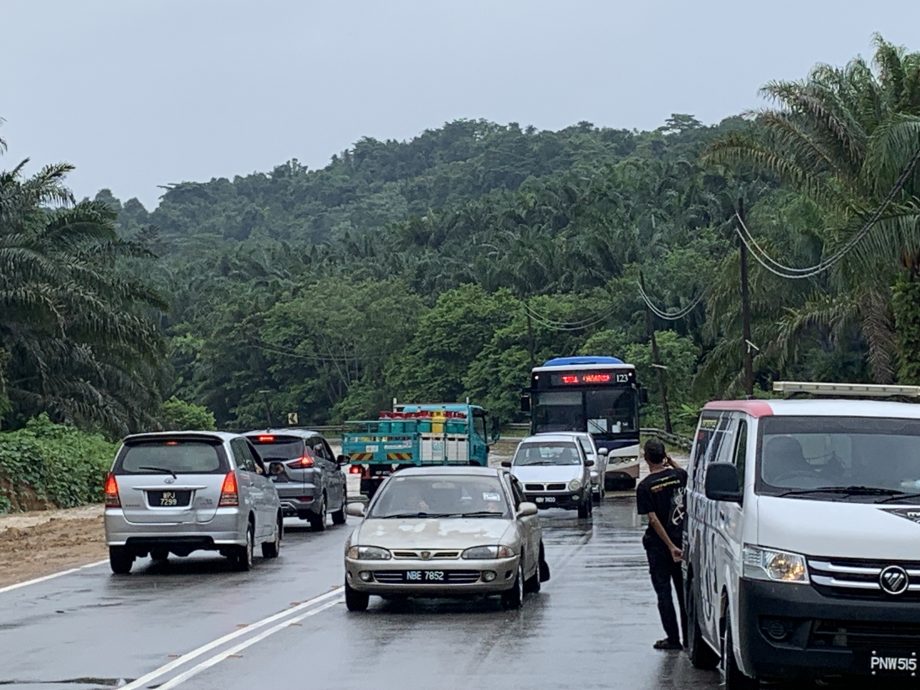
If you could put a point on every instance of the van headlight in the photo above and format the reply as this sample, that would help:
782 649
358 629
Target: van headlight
575 485
773 565
367 553
484 553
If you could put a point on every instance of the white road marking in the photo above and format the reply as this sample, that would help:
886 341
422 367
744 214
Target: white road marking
214 644
217 658
37 580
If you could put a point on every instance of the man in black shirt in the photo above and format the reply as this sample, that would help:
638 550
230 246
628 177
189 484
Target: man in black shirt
661 496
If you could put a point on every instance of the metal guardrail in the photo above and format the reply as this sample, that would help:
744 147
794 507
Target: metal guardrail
671 439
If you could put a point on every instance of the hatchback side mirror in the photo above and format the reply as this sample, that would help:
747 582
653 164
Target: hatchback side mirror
603 451
355 509
506 463
589 463
722 483
527 509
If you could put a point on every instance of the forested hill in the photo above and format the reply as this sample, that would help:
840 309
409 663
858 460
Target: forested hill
337 277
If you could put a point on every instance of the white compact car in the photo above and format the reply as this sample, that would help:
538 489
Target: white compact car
555 472
802 543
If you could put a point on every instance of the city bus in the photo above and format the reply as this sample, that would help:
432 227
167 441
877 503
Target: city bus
599 395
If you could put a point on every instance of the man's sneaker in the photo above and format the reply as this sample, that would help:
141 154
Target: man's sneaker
668 644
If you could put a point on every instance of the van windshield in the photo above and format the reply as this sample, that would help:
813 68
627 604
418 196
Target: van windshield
839 458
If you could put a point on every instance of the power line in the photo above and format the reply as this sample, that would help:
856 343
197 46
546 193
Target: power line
570 325
793 273
669 315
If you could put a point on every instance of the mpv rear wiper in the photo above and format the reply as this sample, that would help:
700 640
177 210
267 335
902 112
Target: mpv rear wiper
847 490
900 496
160 469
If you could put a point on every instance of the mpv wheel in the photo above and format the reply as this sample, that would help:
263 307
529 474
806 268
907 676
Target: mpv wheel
120 560
271 549
339 517
244 556
318 520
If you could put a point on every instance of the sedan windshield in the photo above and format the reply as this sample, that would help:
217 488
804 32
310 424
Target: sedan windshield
840 458
546 453
438 496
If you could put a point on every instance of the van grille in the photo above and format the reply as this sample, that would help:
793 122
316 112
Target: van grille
864 635
853 578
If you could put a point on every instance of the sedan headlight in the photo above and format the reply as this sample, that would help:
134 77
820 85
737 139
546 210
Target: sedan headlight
575 485
775 566
368 553
484 553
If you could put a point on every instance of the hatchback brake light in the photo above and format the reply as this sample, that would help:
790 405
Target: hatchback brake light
301 462
112 499
229 492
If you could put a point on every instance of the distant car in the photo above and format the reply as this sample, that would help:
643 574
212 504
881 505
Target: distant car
554 471
308 477
599 469
445 531
178 492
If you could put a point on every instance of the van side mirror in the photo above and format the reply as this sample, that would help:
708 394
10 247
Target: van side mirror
525 402
722 483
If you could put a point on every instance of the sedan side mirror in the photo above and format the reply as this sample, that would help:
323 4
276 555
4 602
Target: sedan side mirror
603 451
589 463
722 483
506 463
527 509
355 509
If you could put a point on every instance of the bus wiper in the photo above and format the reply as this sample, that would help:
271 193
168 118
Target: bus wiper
900 496
846 490
164 470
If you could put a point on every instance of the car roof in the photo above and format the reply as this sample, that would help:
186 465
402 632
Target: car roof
551 436
823 407
451 470
189 434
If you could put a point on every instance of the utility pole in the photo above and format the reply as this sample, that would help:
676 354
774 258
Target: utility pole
530 340
745 308
656 360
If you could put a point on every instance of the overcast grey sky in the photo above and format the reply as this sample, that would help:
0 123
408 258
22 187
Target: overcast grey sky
149 92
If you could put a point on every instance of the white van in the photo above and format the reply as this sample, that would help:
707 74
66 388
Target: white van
802 543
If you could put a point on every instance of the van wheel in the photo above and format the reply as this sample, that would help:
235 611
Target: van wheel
734 677
701 654
318 520
271 549
120 560
355 600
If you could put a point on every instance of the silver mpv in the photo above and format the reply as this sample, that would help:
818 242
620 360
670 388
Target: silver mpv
178 492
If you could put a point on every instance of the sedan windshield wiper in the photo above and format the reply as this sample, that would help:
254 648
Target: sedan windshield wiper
846 490
164 470
482 513
420 515
900 496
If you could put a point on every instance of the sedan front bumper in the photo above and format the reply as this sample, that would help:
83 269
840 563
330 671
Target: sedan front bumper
432 578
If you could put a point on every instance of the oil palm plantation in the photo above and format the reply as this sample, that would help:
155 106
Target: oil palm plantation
78 333
848 139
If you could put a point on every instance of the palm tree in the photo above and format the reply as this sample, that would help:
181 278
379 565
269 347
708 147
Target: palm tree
848 139
78 334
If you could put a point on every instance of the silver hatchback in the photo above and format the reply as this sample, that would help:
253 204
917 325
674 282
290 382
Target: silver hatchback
178 492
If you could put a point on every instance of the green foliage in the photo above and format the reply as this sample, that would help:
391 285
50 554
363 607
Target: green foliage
178 415
906 306
45 464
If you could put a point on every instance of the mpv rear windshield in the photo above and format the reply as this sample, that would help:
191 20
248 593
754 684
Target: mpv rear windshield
278 447
171 455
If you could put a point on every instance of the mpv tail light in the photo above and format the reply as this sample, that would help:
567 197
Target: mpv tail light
111 492
301 462
229 492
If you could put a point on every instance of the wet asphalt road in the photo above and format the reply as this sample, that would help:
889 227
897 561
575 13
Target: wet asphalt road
591 627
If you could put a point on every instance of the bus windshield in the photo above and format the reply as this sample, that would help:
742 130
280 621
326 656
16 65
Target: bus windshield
599 411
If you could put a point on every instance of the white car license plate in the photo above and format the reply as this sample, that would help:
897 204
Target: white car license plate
546 499
425 576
